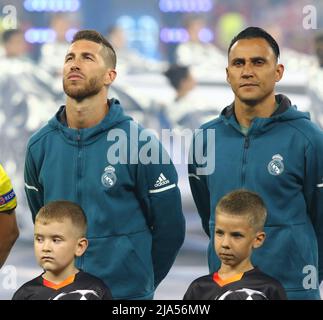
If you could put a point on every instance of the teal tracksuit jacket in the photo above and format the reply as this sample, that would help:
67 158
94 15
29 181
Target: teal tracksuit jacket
135 220
281 158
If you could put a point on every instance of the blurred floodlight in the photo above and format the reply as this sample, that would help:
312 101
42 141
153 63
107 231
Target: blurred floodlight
185 5
52 5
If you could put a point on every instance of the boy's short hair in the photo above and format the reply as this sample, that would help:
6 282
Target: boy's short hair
60 210
109 54
244 203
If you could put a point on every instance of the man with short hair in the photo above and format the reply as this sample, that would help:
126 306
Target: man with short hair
90 153
263 144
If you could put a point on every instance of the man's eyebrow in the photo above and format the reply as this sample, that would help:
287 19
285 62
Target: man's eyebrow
72 54
238 59
258 58
252 59
87 54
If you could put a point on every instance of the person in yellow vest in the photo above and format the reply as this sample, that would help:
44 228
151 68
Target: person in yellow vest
8 225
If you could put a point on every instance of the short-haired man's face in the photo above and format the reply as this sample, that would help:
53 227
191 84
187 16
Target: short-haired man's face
252 70
234 239
56 244
85 73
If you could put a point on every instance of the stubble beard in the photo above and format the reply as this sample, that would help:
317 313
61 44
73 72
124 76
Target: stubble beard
79 93
252 102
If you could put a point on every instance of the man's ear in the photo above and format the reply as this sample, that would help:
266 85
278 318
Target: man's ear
279 72
109 76
82 245
227 72
259 239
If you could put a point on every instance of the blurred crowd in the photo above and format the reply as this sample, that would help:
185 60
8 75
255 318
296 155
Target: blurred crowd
31 89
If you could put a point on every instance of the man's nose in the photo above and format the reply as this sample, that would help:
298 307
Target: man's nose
75 67
247 71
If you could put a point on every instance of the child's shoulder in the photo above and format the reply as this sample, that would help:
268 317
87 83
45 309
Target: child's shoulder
203 282
27 288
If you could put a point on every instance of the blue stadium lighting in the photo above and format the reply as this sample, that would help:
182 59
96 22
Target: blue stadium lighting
40 35
70 34
52 5
46 35
206 35
185 5
173 35
126 22
178 35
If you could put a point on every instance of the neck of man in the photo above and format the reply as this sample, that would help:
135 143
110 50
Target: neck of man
86 113
247 111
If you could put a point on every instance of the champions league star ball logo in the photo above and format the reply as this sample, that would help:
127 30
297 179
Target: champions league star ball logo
276 165
109 177
242 294
78 295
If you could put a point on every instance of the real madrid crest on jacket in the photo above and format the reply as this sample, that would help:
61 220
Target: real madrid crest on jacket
135 220
81 286
280 158
252 285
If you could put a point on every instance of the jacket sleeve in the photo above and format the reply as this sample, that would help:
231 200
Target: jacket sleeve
33 188
198 184
313 191
160 196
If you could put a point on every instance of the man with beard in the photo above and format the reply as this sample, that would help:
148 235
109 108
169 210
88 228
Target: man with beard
85 154
264 144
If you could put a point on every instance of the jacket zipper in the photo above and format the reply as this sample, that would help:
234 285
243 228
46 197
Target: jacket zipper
78 167
78 183
244 160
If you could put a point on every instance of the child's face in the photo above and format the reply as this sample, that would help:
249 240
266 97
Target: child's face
235 238
56 244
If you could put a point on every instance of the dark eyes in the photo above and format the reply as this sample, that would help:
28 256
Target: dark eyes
86 58
259 62
239 63
237 235
220 233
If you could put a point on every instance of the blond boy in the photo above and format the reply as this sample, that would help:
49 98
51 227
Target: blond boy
59 237
239 229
